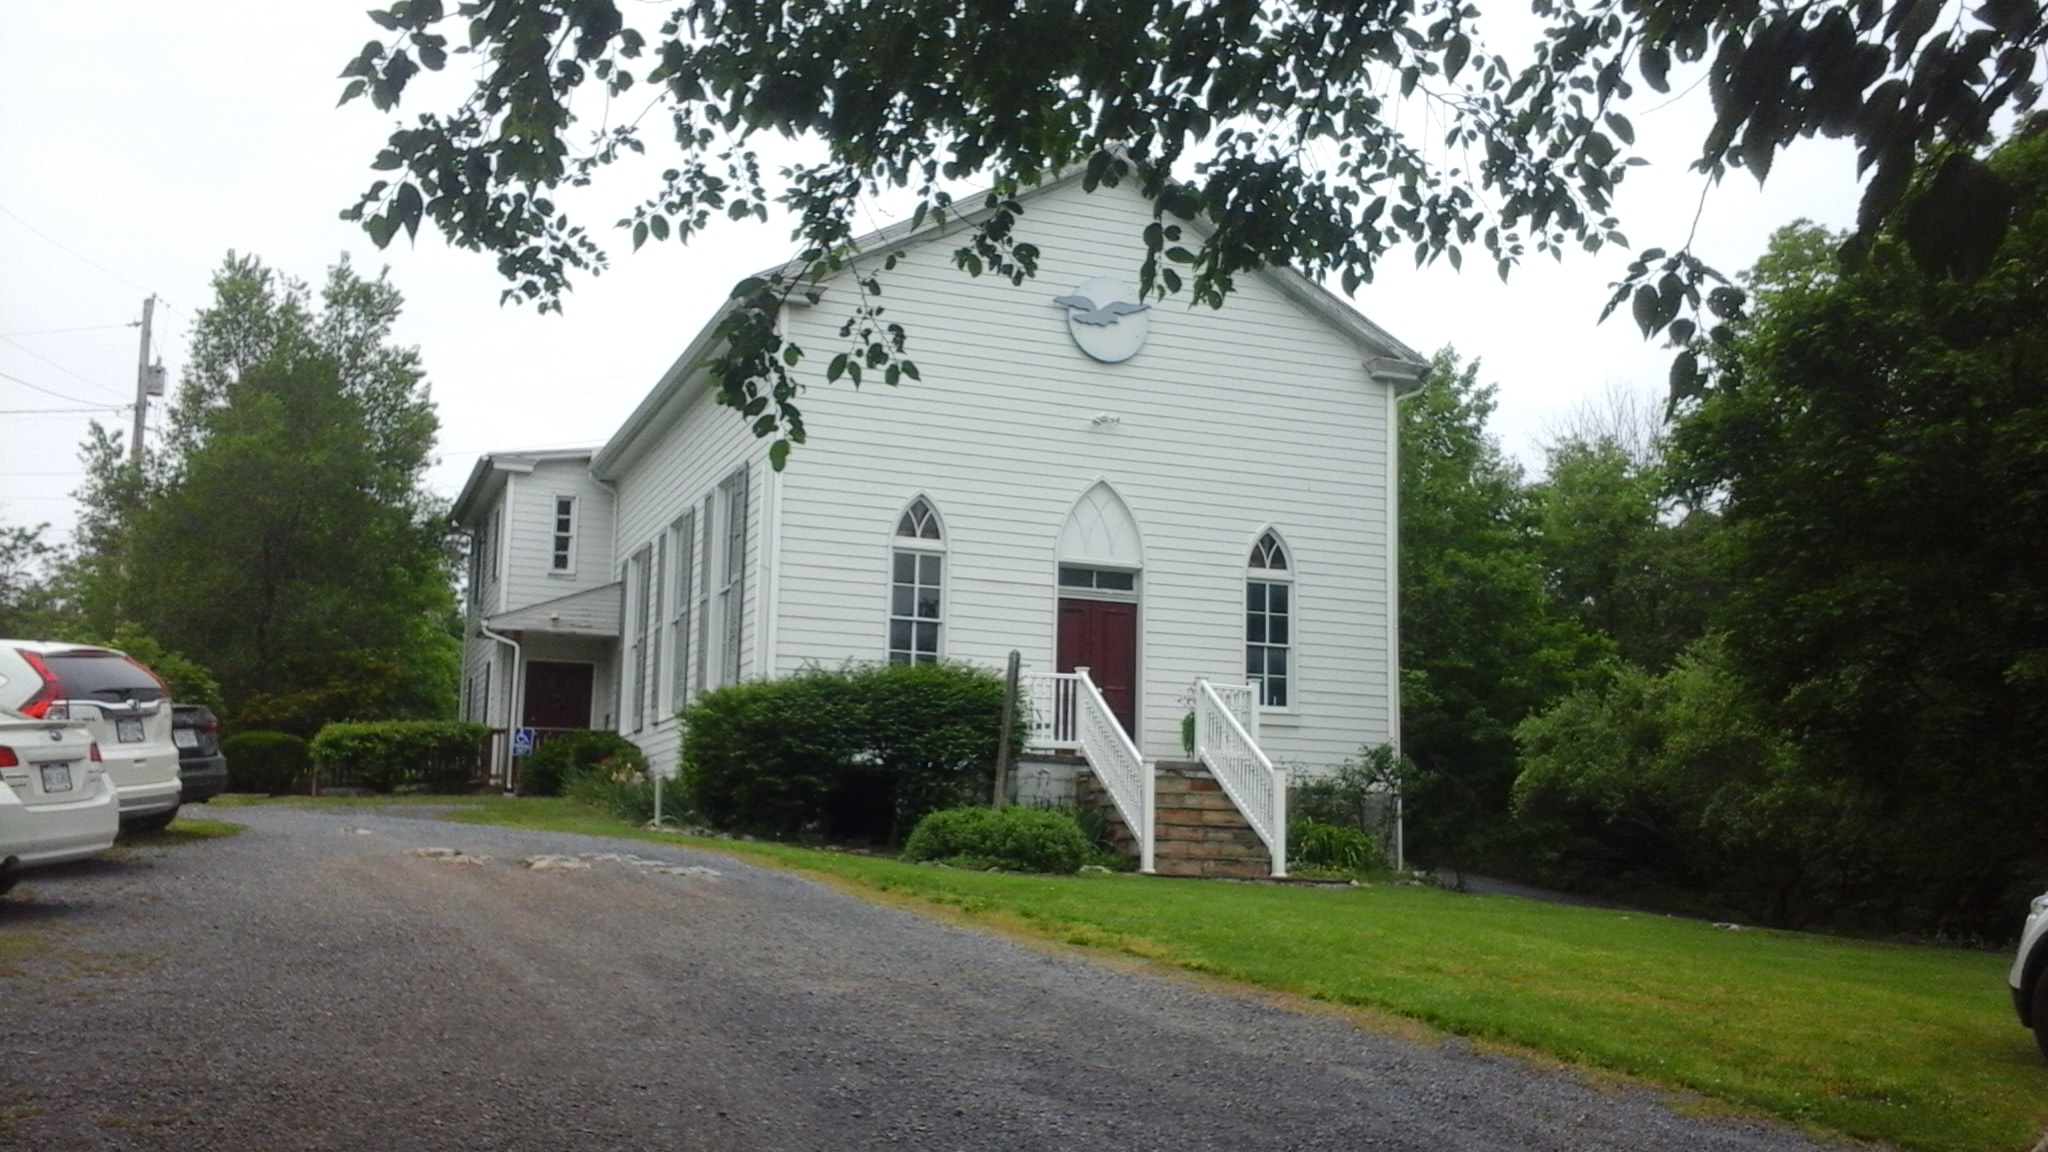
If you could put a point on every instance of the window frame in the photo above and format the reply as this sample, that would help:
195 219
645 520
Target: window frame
917 547
561 540
682 603
1261 572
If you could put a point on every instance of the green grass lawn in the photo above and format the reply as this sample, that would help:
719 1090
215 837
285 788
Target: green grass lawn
1904 1043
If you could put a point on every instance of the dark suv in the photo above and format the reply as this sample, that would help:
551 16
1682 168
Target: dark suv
202 770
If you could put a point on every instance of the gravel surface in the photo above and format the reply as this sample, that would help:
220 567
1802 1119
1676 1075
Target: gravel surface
318 983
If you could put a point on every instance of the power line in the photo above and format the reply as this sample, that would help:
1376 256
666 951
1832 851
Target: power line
57 366
58 395
74 252
52 411
63 331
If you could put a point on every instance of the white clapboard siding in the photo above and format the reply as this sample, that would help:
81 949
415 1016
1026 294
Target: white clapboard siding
530 573
668 469
1227 423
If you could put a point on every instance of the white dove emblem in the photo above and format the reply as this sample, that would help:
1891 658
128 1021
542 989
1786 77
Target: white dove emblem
1085 311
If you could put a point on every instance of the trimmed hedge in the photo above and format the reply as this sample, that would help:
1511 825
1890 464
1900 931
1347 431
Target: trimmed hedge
273 763
560 756
1013 839
399 755
857 753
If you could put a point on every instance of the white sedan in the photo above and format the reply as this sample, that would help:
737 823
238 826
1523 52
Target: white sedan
57 802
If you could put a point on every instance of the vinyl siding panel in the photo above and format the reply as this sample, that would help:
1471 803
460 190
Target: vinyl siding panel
1227 422
676 465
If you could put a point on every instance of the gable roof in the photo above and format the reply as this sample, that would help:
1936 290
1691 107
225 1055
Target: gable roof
486 477
1386 358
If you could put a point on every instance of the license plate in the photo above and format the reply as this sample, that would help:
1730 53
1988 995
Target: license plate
184 738
56 777
128 729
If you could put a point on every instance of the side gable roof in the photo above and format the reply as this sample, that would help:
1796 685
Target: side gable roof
487 476
1386 358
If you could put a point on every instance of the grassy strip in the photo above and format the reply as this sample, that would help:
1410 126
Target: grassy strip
1907 1044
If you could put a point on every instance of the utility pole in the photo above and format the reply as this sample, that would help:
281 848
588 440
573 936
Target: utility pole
148 382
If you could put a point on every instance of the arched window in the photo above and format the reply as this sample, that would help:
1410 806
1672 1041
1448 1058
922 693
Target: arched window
1269 621
917 568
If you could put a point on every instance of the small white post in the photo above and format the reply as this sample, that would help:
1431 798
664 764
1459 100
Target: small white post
1151 830
1279 822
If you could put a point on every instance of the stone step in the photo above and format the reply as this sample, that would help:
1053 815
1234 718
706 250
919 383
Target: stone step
1198 831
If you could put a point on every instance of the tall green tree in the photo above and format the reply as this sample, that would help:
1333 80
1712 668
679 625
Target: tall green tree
1880 439
25 562
1283 126
285 541
1620 555
1481 647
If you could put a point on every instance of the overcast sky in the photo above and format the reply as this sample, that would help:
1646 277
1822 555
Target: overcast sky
143 141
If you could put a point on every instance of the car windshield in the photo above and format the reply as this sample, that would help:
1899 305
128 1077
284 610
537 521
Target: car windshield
105 676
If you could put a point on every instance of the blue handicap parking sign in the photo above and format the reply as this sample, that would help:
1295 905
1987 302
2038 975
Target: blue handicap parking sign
522 741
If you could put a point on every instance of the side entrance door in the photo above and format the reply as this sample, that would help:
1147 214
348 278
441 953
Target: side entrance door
1102 636
558 694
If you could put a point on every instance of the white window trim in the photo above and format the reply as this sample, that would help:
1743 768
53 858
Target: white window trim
1292 646
732 500
917 546
556 537
682 606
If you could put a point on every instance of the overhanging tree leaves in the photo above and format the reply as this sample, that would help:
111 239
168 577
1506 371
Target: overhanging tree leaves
1281 127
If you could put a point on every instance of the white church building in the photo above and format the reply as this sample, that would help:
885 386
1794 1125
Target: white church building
1196 506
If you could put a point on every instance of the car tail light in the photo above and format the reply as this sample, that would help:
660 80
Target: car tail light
46 697
212 724
95 752
8 759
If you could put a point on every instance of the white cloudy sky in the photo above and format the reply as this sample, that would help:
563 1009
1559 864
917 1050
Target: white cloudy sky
144 140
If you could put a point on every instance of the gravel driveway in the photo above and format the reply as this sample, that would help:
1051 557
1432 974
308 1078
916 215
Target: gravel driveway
315 984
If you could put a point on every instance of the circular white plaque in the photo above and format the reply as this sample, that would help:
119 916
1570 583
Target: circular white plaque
1108 320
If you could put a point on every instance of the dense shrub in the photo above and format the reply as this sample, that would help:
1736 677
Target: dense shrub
1337 847
1013 839
273 763
1357 793
394 755
543 773
860 752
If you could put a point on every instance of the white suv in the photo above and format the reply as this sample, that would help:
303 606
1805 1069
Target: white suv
2029 978
56 801
123 704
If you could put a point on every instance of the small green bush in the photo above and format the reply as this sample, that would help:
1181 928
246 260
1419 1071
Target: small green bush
273 763
1338 847
616 788
1013 839
439 756
544 772
857 753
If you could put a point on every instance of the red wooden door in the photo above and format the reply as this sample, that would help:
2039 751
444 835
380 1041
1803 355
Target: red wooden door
558 694
1102 636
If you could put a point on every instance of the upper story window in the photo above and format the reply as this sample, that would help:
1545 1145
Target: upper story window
917 568
564 537
1269 622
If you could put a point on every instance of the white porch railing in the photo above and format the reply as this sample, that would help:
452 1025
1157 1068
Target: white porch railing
1050 711
1242 701
1068 714
1232 754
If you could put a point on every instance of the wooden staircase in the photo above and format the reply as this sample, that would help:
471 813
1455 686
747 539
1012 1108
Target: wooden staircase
1201 833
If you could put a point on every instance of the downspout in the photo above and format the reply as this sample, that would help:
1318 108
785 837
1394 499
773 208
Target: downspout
1404 379
512 695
